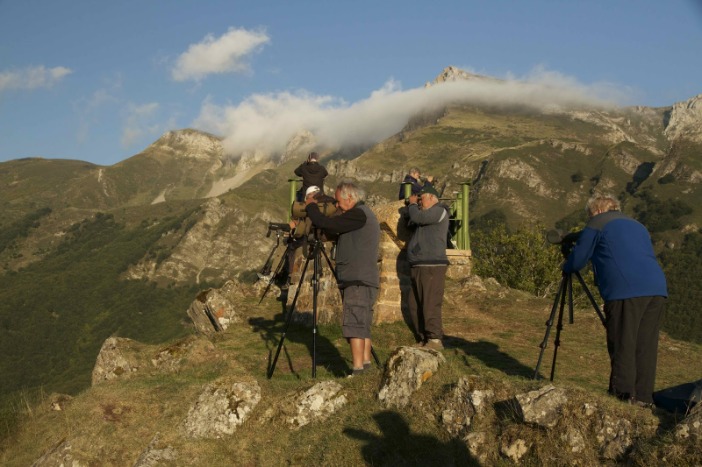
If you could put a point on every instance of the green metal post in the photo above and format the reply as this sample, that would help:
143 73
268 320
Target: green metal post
465 234
407 187
459 214
293 194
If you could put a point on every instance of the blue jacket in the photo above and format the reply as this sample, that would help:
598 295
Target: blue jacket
622 257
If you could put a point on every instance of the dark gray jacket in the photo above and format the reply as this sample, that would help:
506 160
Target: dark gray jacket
357 246
429 231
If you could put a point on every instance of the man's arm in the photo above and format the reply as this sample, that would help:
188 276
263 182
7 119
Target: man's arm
434 215
298 171
352 219
582 251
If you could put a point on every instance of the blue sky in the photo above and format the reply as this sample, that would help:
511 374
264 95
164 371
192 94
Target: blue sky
99 80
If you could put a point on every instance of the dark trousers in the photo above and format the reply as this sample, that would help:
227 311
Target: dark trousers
425 301
632 341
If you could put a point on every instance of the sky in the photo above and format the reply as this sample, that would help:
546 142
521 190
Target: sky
99 80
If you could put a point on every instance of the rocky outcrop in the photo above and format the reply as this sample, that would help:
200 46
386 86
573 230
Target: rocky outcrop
121 358
315 404
212 312
405 372
685 120
221 408
543 406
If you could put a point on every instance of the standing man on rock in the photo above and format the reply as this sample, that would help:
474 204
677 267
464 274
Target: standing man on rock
312 173
357 273
426 253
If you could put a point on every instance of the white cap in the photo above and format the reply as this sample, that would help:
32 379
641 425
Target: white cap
311 190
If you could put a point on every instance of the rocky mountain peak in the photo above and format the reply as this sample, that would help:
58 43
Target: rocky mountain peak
452 73
685 120
189 143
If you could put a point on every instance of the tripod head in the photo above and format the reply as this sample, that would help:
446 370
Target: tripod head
566 240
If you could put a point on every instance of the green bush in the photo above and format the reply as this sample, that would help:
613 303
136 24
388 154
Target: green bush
521 259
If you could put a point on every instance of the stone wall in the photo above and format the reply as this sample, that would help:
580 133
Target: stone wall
394 273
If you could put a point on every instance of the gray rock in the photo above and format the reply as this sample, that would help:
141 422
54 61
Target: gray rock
691 426
542 407
461 406
222 407
60 455
212 312
613 437
154 455
317 403
119 357
405 372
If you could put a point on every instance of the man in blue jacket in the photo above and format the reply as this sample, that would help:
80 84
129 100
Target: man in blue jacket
633 286
426 254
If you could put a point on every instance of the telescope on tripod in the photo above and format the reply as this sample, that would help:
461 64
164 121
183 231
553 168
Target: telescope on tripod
563 295
316 251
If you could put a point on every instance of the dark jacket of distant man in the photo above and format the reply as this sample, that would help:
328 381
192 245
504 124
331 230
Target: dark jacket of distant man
312 173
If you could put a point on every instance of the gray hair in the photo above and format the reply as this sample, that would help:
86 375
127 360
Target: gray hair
602 202
349 189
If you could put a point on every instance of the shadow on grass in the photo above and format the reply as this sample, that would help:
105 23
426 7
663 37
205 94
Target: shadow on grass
490 354
297 329
397 445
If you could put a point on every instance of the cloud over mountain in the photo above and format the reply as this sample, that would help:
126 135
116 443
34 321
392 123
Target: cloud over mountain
268 121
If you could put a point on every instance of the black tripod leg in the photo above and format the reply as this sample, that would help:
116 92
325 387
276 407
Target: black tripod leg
288 320
549 324
277 271
557 342
592 299
315 292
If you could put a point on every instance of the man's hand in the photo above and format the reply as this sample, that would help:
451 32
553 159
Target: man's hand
413 199
430 178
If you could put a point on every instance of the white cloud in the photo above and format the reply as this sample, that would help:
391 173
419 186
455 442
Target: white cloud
138 123
32 78
226 54
267 122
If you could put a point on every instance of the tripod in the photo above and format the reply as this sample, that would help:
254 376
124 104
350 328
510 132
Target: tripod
283 259
316 250
565 288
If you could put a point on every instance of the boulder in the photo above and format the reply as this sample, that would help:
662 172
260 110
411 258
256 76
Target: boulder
542 407
316 403
221 408
405 372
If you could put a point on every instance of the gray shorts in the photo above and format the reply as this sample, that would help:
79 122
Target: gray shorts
358 311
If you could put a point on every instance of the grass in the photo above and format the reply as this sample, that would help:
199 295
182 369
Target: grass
493 338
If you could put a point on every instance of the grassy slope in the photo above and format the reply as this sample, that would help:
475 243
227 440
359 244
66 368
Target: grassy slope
494 338
55 314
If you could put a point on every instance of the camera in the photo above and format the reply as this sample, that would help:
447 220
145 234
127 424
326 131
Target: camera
565 240
277 226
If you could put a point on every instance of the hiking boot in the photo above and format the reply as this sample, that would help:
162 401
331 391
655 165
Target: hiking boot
356 372
434 344
644 405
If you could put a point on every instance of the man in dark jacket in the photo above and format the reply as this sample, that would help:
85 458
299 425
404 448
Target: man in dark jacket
357 272
426 254
414 179
312 173
634 289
